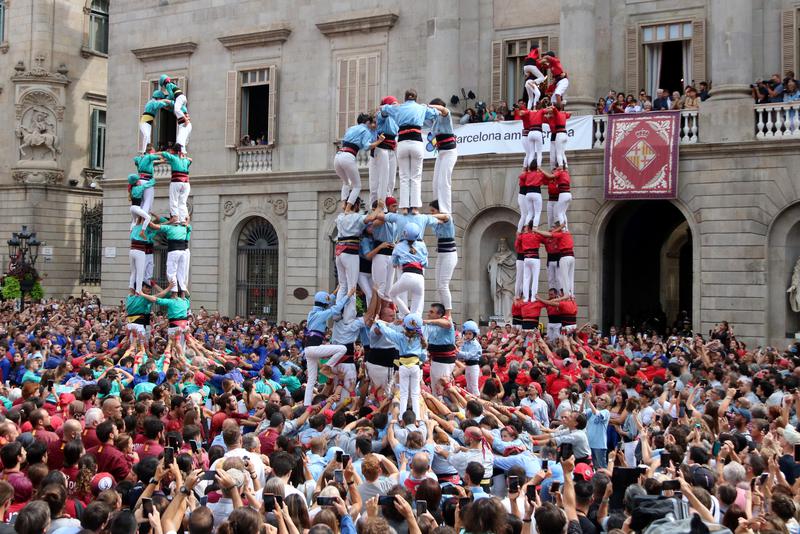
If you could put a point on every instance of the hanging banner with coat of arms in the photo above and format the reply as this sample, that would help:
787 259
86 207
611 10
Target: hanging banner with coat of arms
641 155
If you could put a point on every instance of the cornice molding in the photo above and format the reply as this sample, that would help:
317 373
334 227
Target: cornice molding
273 35
362 21
164 51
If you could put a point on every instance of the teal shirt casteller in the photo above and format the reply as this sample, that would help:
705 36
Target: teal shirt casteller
136 305
153 106
144 163
177 232
138 190
176 307
177 163
149 234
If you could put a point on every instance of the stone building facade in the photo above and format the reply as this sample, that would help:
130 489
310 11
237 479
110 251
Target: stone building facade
295 75
53 56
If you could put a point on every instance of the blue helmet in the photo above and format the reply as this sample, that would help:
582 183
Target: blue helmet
412 232
157 94
412 321
471 326
331 298
163 80
133 178
321 298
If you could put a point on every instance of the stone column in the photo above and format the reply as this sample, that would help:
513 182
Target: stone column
442 59
728 115
577 46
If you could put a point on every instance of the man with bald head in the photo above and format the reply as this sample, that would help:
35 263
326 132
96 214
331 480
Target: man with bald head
8 432
55 451
40 421
112 409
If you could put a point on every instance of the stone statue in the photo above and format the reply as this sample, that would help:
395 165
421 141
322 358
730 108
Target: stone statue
794 289
502 273
40 132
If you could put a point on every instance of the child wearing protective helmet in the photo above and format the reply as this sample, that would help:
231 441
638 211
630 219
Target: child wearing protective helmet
471 352
411 345
411 255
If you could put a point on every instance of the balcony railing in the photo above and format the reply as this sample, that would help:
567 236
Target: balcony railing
162 171
689 128
777 120
254 159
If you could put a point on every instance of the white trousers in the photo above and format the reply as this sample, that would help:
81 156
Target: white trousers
178 197
409 163
559 148
382 274
526 147
385 168
138 328
553 331
522 202
346 168
519 278
347 275
553 281
408 293
536 142
148 268
138 264
561 89
380 376
534 202
178 269
372 174
472 373
138 212
443 179
445 265
313 355
552 212
145 135
349 370
530 282
531 85
182 135
365 283
409 379
438 372
562 207
144 209
566 273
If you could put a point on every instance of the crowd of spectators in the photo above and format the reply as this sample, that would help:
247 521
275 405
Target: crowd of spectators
776 89
618 431
619 102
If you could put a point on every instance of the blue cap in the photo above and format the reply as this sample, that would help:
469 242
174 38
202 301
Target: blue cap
163 80
412 321
321 297
412 232
471 326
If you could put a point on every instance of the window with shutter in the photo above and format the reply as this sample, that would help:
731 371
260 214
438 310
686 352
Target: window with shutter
788 40
632 59
698 51
356 88
497 71
514 53
251 107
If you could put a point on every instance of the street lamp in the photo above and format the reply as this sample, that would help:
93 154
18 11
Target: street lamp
23 250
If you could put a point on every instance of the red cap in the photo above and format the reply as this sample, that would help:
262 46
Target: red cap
585 471
526 410
65 399
388 100
104 481
391 201
538 387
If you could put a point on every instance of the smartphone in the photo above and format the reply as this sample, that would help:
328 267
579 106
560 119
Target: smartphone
530 493
513 484
554 487
195 446
269 503
50 384
463 502
797 453
147 507
545 463
717 446
326 501
203 500
664 460
422 507
209 475
339 455
566 450
345 460
173 442
386 500
169 456
670 485
338 476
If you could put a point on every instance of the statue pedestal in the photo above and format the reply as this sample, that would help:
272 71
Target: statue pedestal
37 171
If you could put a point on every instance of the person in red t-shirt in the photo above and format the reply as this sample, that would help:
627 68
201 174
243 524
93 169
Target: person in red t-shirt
552 62
532 68
109 458
532 121
534 179
530 315
557 120
40 420
152 446
55 451
530 242
564 245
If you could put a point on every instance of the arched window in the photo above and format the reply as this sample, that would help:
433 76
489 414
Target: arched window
257 270
98 26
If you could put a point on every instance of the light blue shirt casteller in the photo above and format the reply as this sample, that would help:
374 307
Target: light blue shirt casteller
386 125
409 113
442 124
401 220
442 230
436 335
402 253
345 332
470 351
406 346
350 224
318 317
359 135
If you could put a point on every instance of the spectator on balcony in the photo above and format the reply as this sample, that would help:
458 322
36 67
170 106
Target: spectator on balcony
643 97
791 94
600 108
468 117
661 103
245 141
609 101
703 91
768 91
789 76
631 105
503 113
691 100
648 106
489 115
675 101
618 106
519 107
